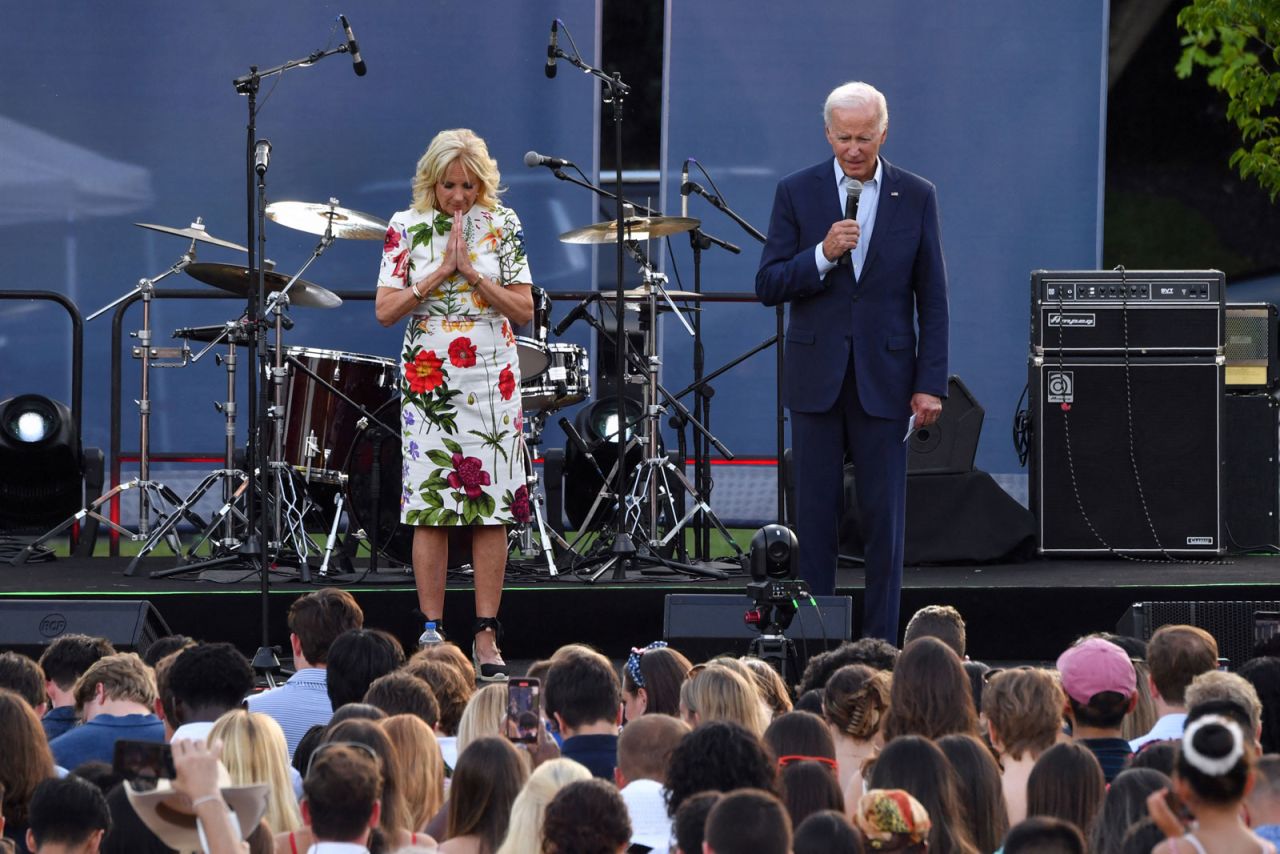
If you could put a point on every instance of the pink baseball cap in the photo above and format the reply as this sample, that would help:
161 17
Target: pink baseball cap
1093 666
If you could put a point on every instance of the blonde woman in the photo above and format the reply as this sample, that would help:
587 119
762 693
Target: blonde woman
483 715
853 704
454 265
254 751
524 833
421 766
720 693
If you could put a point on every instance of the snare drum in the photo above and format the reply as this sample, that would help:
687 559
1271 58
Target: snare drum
566 380
319 426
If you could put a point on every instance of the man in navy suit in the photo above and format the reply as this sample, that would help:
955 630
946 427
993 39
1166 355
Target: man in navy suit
866 343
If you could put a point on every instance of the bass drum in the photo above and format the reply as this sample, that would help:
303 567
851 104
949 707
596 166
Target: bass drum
395 539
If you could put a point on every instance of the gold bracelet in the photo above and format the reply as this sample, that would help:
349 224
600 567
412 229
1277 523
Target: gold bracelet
420 297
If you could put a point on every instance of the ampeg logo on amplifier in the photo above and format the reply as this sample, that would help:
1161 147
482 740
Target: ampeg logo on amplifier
1077 320
1060 387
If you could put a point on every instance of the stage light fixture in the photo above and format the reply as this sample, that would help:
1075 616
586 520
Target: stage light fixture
41 467
597 424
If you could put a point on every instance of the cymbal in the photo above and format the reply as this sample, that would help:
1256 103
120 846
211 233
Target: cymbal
238 280
314 219
196 231
636 228
641 294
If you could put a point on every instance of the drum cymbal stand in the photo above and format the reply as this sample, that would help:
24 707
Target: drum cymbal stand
153 496
522 539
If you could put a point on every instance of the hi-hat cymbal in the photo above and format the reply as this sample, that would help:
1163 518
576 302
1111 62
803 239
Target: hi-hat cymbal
238 280
315 218
636 228
641 294
196 231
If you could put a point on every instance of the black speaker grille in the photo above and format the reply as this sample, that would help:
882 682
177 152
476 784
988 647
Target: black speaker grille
1230 623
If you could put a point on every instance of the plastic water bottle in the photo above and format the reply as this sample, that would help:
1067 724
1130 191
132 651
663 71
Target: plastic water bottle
430 636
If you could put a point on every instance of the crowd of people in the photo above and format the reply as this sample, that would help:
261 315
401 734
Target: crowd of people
1123 746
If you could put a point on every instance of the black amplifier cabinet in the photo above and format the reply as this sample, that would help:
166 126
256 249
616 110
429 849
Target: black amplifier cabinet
1146 312
1087 493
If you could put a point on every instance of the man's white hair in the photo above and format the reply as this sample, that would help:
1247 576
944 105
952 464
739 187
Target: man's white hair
856 94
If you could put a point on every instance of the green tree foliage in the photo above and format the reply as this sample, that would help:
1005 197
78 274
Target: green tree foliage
1238 41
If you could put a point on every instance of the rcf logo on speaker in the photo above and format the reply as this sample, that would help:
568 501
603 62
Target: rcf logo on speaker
1087 321
53 625
1061 386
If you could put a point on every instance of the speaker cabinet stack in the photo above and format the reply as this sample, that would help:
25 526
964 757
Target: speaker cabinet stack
1126 393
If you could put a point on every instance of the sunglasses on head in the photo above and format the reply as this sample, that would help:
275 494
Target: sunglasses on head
315 754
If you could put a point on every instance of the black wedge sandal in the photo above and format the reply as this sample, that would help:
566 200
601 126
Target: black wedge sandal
488 672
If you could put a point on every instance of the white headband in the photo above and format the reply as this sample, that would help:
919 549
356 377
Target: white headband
1213 766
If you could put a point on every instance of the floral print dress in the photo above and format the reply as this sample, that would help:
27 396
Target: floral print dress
460 413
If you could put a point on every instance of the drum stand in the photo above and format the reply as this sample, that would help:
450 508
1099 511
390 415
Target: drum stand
153 496
521 537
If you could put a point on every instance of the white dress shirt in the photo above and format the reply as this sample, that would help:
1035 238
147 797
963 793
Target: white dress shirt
868 202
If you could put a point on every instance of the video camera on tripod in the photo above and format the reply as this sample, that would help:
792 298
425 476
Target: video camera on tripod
775 593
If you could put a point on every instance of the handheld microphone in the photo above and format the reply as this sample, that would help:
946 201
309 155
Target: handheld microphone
575 314
853 192
357 62
262 156
684 188
551 48
533 158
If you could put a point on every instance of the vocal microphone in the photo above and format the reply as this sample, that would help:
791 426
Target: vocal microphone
852 193
551 48
576 438
262 156
575 314
533 158
684 184
357 62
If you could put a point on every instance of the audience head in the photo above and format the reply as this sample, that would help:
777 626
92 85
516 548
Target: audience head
1176 655
357 712
316 620
1124 804
808 786
1264 675
917 765
748 821
855 701
1142 719
395 813
24 677
451 687
586 817
165 646
254 751
1067 783
68 656
937 621
341 794
451 654
1217 685
651 680
987 816
977 672
689 824
826 832
645 748
718 692
70 813
524 831
483 715
400 693
1214 760
1023 708
25 759
356 658
718 756
1099 681
874 652
769 686
1156 755
1141 837
489 776
206 680
800 735
1044 835
930 694
419 757
893 820
810 701
118 677
1263 799
581 691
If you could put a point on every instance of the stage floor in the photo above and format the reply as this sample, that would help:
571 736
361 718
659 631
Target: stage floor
1013 611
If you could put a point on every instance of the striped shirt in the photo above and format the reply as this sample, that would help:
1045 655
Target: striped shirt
297 705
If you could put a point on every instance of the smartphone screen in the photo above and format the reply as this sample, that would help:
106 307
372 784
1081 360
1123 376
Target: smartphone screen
143 761
523 710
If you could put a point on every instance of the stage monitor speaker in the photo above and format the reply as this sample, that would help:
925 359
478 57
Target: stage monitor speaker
702 625
29 625
950 445
1084 492
1251 502
1230 623
1251 347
